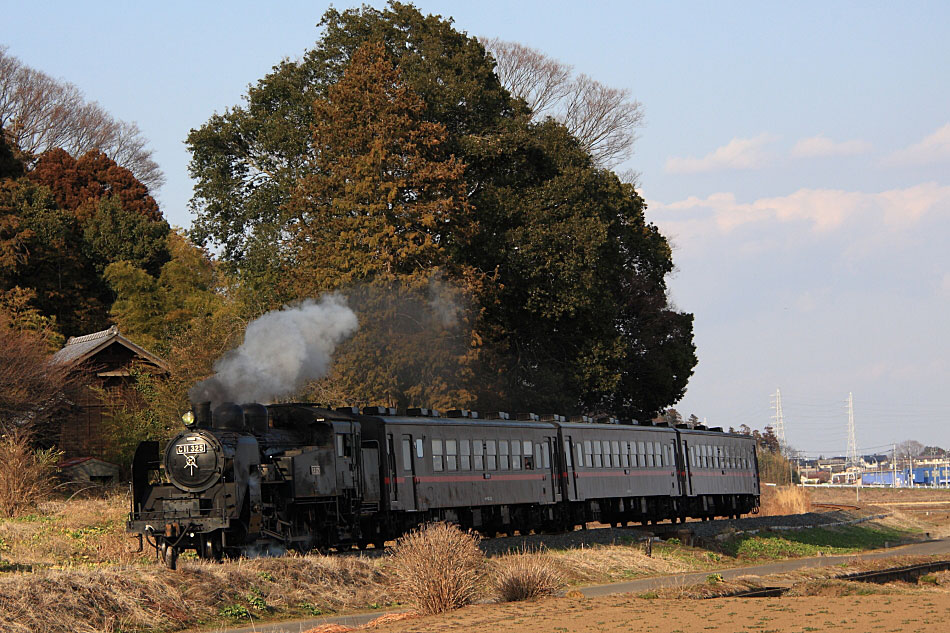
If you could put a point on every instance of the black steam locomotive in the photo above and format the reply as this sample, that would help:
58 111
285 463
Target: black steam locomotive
301 476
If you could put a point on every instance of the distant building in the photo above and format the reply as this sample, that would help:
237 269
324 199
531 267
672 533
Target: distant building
108 359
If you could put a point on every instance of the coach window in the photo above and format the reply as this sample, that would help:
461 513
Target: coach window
419 450
437 456
515 454
529 462
659 454
598 455
578 455
503 463
490 452
720 460
478 452
406 455
568 454
641 455
588 454
608 456
625 454
451 455
546 455
465 455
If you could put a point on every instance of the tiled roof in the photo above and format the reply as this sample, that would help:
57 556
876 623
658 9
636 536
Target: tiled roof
80 348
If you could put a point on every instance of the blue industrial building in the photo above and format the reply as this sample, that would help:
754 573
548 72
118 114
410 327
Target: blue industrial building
922 476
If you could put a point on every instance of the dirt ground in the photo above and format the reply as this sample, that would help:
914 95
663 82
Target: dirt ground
924 612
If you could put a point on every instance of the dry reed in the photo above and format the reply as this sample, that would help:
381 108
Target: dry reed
437 568
783 500
26 473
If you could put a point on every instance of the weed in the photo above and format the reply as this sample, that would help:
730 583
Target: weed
525 576
234 612
714 579
437 567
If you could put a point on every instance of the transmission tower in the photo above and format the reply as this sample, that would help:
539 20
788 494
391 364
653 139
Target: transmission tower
779 419
852 443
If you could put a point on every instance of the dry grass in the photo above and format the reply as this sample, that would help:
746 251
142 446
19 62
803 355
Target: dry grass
782 500
605 563
437 568
26 474
525 576
80 531
114 599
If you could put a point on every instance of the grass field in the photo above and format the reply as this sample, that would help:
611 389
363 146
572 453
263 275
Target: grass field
71 567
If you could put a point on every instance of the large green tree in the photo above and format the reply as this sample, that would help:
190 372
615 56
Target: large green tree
570 312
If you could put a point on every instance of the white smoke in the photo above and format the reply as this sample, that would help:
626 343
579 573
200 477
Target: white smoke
282 351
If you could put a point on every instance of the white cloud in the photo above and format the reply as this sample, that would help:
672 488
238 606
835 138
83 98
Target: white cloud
821 145
933 148
823 209
739 153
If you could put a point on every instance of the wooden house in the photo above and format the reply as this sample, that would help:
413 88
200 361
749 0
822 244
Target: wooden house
109 360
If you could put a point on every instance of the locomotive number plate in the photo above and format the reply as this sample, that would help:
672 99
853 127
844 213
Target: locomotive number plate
191 449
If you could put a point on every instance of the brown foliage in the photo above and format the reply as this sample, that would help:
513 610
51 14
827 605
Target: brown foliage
41 113
437 568
78 184
383 200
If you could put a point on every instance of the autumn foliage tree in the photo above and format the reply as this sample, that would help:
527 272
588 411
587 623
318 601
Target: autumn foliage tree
380 215
63 222
417 162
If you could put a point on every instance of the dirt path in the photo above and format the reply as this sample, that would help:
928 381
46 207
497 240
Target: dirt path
622 614
612 607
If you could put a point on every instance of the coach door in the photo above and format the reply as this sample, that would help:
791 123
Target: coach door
546 462
684 470
679 479
569 473
407 476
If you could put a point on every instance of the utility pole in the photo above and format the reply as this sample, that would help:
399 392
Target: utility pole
894 464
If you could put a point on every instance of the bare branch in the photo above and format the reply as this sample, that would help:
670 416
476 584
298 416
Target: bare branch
40 113
602 118
529 74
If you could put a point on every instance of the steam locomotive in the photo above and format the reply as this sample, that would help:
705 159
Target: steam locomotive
301 476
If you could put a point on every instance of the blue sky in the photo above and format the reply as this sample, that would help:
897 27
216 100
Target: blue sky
796 154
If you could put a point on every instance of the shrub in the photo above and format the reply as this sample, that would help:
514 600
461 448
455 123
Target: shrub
526 576
26 474
437 568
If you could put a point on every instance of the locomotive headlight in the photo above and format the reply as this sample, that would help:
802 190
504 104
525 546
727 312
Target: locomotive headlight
194 460
189 418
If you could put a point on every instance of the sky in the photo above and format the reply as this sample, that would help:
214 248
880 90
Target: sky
797 156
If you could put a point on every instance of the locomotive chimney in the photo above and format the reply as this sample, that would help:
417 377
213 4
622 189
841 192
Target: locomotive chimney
202 414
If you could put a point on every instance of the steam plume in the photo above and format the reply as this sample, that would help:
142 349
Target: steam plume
282 351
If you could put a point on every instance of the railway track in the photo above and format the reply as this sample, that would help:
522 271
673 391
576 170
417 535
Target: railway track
878 576
835 506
